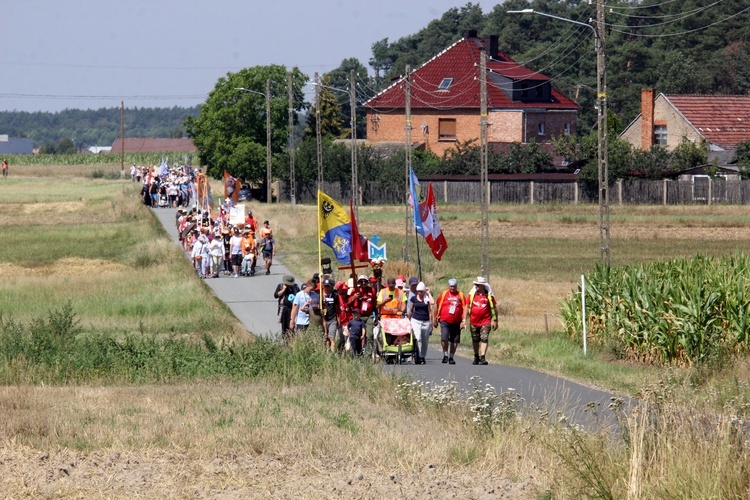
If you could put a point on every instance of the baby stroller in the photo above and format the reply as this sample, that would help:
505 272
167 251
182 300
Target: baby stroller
163 200
397 338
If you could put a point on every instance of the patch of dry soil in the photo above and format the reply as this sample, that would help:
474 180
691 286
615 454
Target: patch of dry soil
30 473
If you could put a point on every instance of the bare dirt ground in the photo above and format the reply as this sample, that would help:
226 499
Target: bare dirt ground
119 474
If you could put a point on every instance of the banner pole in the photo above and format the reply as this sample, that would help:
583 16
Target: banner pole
419 256
320 250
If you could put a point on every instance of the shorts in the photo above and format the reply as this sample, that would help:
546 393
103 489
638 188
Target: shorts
237 259
480 333
450 332
267 255
332 329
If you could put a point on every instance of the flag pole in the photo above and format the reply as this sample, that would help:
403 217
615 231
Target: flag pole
419 257
320 250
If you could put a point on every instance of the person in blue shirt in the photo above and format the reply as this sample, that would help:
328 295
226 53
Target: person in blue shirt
301 309
357 333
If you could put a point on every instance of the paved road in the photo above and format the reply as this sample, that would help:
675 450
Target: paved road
251 300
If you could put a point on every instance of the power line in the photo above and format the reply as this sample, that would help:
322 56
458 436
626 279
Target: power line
686 32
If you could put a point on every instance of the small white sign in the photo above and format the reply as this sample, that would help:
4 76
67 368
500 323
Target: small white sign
237 214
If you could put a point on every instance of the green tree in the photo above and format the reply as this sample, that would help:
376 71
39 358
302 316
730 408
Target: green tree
66 147
230 131
743 159
331 124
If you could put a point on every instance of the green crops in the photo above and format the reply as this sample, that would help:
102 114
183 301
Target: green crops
681 310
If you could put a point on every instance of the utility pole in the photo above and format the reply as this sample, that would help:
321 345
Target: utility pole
602 136
318 136
484 167
407 130
292 182
269 196
353 125
122 136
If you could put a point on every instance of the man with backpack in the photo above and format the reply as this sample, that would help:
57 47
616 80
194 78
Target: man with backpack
481 311
285 293
267 246
450 315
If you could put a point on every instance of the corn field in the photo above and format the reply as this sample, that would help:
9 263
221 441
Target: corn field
143 159
679 311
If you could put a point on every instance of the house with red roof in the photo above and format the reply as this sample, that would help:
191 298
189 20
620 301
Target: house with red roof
723 121
445 101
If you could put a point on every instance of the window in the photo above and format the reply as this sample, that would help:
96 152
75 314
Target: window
660 135
445 84
524 90
540 128
567 129
447 129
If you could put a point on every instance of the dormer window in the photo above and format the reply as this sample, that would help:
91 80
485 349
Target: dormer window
445 84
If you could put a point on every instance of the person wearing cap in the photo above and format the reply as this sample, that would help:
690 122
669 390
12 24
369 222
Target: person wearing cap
362 298
216 250
251 221
248 253
266 229
449 313
316 313
345 312
420 313
481 312
329 301
284 294
267 246
301 308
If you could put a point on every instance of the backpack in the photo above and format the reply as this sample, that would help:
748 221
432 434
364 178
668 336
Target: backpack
288 299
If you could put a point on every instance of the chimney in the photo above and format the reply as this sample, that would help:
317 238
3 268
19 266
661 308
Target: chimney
490 45
647 119
469 33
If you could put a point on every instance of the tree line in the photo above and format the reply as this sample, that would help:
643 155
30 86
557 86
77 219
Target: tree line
74 130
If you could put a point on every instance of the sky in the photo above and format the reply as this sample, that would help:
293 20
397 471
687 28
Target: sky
90 54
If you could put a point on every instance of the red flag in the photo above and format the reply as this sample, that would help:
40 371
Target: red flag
433 232
359 242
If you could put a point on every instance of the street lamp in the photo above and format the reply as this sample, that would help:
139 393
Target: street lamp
602 136
267 95
353 131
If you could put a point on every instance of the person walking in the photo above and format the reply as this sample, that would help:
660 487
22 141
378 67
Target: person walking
450 314
235 249
481 312
285 293
5 168
216 249
301 308
362 298
420 313
267 246
329 302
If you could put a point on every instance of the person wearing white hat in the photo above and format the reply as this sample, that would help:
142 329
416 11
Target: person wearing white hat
481 315
420 313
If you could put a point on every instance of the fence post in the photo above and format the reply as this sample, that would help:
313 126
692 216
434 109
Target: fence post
664 191
489 193
531 192
445 191
710 190
575 193
619 191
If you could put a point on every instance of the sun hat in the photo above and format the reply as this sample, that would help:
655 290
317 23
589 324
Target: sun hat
288 279
363 277
421 287
480 281
453 282
413 281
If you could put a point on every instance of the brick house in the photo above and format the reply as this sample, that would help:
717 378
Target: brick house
723 121
445 101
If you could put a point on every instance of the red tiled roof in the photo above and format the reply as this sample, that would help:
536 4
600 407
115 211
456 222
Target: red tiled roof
461 62
722 119
145 145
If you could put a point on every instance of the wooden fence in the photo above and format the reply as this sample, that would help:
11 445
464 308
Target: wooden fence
622 192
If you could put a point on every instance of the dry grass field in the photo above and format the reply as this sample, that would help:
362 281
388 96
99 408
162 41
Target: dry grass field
327 437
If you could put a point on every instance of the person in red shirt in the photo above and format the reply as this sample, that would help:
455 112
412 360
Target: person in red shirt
450 315
363 298
481 311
